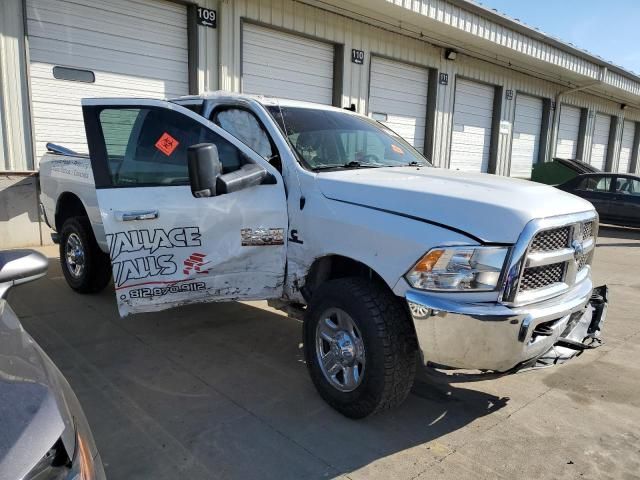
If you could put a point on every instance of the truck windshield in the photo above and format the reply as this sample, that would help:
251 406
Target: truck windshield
325 140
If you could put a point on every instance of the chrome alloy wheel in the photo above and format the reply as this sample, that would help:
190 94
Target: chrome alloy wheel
75 257
340 350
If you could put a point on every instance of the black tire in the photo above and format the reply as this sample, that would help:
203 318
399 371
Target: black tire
96 271
389 343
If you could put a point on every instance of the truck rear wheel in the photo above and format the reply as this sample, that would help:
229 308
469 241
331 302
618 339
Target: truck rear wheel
360 347
86 268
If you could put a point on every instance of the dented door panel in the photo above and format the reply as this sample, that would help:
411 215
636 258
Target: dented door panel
167 247
195 250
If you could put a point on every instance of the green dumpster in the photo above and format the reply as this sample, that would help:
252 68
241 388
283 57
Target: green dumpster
560 170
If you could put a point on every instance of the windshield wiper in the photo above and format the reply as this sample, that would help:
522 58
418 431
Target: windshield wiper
410 164
356 164
351 164
327 167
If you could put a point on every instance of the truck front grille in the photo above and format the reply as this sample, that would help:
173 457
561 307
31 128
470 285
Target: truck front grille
540 277
582 261
555 260
549 240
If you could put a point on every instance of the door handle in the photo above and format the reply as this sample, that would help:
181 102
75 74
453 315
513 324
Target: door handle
136 215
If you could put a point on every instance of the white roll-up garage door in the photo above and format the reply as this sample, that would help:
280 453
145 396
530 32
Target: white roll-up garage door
472 119
286 65
527 127
626 146
568 132
133 48
398 98
600 141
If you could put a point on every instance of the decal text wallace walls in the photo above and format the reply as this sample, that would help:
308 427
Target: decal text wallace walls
149 242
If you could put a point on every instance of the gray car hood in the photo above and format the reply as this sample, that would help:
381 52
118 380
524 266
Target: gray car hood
488 207
30 419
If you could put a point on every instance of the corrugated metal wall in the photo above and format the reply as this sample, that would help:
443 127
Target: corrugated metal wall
308 20
208 70
3 155
595 105
219 59
16 148
16 145
297 17
485 29
133 50
623 83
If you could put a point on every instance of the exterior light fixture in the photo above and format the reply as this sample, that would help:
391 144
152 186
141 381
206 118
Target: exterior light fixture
450 54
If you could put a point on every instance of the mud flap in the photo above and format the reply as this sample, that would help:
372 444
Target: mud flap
580 335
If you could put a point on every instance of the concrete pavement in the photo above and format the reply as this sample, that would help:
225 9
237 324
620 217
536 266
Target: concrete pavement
221 391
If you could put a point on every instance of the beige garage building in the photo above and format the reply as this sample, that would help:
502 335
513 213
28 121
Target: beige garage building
469 87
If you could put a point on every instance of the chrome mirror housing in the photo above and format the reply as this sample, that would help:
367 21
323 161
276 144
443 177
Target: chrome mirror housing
20 266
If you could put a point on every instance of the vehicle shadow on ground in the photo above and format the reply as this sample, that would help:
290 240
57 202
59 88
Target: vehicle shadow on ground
618 233
222 391
461 405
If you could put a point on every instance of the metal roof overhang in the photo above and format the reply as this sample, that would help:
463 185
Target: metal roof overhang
495 39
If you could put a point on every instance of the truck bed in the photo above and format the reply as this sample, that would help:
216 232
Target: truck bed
67 179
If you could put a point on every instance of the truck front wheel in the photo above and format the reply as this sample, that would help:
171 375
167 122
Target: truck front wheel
360 347
86 268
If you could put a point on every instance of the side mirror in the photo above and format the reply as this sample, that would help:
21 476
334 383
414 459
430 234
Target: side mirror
246 176
207 180
20 266
204 169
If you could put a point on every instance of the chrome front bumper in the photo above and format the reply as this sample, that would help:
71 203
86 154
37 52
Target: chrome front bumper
491 336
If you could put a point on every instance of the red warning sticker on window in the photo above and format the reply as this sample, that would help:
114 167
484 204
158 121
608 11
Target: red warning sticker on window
167 144
397 149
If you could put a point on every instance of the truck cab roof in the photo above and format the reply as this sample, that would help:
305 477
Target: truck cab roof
221 96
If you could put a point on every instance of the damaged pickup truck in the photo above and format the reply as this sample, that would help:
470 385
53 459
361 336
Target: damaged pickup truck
330 216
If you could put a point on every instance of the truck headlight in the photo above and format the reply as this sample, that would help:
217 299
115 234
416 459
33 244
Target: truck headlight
459 268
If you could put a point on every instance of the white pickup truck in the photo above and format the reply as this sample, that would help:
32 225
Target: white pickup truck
331 216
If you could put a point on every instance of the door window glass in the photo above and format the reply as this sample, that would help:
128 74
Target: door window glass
148 146
245 127
595 184
628 186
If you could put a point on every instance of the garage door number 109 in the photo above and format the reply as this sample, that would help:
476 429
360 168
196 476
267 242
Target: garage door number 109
206 17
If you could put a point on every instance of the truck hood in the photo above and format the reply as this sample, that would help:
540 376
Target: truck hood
486 207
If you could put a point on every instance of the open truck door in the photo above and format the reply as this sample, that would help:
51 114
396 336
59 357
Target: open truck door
172 241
